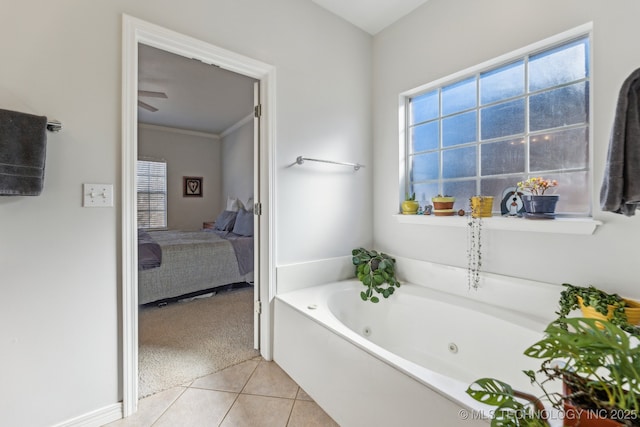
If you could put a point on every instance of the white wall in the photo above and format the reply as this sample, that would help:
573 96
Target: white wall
186 154
60 327
443 37
237 161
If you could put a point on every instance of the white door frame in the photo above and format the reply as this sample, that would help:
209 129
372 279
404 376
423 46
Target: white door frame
137 31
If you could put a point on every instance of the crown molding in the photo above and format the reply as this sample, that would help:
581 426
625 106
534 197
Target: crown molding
180 131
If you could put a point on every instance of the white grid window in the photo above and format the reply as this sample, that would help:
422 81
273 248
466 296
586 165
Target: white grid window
481 133
152 194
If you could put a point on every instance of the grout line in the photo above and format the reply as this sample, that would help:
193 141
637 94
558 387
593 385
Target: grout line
170 406
226 414
293 406
238 394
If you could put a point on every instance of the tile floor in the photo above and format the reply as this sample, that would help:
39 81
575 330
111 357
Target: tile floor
254 393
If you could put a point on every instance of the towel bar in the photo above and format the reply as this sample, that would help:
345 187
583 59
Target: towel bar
54 126
300 160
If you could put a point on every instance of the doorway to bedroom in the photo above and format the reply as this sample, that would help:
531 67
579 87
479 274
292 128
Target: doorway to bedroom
195 192
200 193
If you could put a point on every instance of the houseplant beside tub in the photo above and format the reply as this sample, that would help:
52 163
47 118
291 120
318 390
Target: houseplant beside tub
537 204
598 304
599 368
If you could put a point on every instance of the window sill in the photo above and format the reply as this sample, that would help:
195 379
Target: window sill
584 226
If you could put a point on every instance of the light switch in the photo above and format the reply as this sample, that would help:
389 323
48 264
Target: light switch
97 195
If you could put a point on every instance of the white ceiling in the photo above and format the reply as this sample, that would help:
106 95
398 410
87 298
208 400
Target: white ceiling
206 98
201 97
370 15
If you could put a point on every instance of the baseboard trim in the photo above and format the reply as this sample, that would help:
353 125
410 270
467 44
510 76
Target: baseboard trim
96 418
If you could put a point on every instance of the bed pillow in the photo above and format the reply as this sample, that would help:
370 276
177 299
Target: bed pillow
225 221
233 204
244 223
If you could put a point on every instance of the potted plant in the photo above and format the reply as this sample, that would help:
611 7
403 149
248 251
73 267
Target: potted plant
443 205
410 206
598 304
376 271
599 367
537 204
481 206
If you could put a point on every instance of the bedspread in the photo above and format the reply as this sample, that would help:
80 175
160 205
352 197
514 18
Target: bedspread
192 261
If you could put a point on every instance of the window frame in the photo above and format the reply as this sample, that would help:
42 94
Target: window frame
166 195
583 31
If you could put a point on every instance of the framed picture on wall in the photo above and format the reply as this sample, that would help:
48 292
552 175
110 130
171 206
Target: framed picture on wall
192 186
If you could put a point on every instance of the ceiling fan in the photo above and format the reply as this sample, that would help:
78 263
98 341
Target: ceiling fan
150 94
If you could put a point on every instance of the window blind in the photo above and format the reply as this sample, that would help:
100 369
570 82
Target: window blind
152 194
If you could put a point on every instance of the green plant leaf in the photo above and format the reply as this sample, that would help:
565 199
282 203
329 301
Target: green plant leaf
374 269
363 296
490 391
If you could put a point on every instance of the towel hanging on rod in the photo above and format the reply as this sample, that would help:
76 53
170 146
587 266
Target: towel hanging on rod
356 166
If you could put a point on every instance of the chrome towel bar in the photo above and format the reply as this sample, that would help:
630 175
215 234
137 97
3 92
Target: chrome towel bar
300 160
54 125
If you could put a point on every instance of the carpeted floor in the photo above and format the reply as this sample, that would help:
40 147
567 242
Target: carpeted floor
186 340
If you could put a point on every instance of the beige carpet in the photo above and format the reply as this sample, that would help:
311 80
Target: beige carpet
186 340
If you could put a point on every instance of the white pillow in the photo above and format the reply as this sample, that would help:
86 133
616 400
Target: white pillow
233 204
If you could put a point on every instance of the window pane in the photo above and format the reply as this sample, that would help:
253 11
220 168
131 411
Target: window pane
559 150
424 107
425 137
558 66
502 158
458 163
502 120
424 192
424 167
459 129
459 96
499 189
559 107
461 190
502 83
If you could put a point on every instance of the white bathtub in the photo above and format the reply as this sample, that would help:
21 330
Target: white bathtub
405 361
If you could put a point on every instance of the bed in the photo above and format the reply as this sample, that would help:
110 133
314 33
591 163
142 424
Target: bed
191 261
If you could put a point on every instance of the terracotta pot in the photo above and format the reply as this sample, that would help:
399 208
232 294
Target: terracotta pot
443 206
575 416
578 417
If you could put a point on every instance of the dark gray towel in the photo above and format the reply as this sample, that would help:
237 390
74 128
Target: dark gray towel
23 147
620 192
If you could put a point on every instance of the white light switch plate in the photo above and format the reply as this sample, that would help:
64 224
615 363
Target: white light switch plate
97 195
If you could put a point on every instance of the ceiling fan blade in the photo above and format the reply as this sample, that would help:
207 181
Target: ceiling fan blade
152 94
147 106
